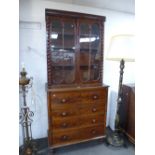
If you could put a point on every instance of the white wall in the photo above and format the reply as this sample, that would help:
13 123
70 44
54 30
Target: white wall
32 51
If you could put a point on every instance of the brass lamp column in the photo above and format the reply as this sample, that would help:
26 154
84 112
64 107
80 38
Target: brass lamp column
116 138
121 49
29 147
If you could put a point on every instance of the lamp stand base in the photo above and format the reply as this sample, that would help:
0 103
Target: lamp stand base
115 139
29 148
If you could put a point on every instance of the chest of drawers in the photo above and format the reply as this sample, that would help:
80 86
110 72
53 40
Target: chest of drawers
76 115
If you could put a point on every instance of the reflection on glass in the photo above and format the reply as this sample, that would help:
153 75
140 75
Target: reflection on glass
54 35
90 39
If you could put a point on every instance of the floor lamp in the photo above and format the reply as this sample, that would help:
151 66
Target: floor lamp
29 147
121 49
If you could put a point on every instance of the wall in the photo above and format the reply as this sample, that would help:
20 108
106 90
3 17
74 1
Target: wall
32 52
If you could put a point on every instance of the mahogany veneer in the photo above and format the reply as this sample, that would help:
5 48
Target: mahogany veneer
84 119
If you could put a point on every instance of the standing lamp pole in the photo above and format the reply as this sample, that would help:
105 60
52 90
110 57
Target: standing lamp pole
116 139
119 98
29 147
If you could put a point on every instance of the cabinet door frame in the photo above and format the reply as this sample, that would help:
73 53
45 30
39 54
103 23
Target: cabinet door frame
76 16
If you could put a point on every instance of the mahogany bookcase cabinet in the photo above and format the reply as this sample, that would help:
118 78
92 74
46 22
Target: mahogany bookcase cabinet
77 98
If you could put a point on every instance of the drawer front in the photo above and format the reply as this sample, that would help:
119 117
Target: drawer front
60 99
91 132
75 122
65 137
64 113
87 110
93 95
70 136
91 120
65 123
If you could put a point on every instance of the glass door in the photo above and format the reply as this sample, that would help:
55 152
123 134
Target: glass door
95 49
90 51
63 51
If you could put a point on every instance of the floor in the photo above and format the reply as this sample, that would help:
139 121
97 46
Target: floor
95 147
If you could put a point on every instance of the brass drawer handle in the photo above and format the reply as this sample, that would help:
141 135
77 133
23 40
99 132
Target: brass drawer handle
63 100
94 110
94 120
64 137
63 114
64 125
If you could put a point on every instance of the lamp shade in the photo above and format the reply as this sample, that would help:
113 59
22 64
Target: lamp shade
121 47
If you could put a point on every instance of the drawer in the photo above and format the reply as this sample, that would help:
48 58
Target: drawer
64 113
65 137
91 120
80 134
65 123
93 95
93 109
91 132
60 98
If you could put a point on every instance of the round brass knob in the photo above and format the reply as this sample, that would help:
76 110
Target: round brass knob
63 113
95 97
63 100
94 120
94 109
